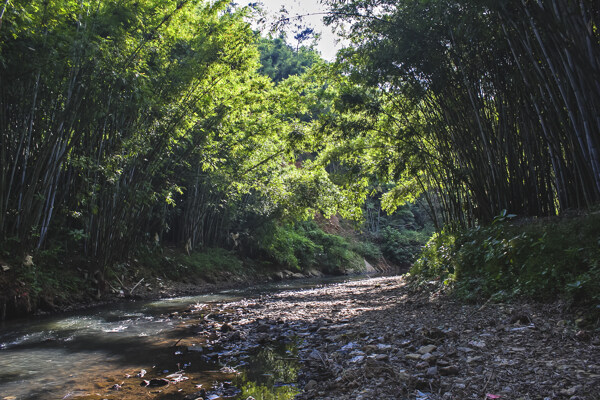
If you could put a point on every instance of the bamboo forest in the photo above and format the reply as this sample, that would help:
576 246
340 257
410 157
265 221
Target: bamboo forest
196 203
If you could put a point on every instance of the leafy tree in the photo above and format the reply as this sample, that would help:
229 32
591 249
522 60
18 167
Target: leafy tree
280 61
481 103
140 122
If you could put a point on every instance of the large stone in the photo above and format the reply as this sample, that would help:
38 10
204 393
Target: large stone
369 269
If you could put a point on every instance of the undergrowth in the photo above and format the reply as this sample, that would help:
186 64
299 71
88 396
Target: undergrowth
178 265
304 245
541 259
402 247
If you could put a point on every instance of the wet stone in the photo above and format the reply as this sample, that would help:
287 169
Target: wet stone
155 382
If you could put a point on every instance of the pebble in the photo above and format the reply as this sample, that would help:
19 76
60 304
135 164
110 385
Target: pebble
427 349
477 343
413 356
450 370
570 391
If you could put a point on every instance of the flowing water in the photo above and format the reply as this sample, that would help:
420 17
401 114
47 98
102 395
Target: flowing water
84 355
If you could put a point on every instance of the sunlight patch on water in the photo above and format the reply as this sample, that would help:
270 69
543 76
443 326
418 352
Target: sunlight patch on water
176 303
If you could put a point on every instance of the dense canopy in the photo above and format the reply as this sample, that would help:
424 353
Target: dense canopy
126 126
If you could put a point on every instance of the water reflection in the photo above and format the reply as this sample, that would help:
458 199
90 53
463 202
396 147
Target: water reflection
271 374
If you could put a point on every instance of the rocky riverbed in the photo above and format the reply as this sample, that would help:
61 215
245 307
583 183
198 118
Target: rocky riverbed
381 338
375 338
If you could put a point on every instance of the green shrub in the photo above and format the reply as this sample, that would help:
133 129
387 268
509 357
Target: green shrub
304 245
291 248
401 247
437 257
367 250
540 259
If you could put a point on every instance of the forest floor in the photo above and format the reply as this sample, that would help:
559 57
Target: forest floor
383 338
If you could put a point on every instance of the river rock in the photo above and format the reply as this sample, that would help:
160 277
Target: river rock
570 391
312 384
314 272
262 328
449 370
480 344
427 349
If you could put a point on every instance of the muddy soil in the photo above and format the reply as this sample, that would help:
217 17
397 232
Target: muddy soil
381 338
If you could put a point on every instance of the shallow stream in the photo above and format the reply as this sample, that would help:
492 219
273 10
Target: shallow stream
100 354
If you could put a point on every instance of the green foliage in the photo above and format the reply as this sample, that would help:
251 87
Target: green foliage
304 245
472 103
211 259
49 277
290 248
148 121
401 247
399 235
257 391
280 61
176 265
539 259
366 249
437 257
